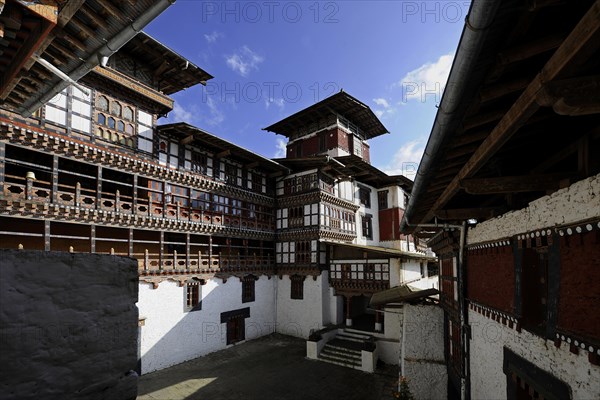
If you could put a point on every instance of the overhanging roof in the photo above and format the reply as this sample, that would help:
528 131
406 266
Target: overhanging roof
341 104
188 134
173 71
520 114
348 167
401 294
74 41
384 251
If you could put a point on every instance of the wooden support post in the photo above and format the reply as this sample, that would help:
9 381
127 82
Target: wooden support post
134 201
99 188
161 250
187 251
54 179
47 235
130 243
348 314
92 238
2 165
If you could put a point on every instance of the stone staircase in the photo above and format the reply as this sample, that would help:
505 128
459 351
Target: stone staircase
345 349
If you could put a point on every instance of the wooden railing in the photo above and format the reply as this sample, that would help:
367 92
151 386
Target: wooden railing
202 263
75 196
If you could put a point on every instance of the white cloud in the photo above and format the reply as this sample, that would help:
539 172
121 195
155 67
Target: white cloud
216 115
382 102
427 81
406 159
281 151
244 60
280 103
212 37
181 114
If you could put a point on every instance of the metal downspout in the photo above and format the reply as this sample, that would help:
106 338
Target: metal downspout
111 47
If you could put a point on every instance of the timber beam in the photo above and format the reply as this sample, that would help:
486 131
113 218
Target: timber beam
462 214
512 184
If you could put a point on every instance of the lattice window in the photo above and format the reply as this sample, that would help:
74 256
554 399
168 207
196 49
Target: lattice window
367 226
193 297
382 199
364 196
248 288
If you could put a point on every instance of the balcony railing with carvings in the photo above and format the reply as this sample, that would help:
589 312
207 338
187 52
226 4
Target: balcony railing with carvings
175 263
38 191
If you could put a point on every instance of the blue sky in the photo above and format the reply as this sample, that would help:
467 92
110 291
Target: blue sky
270 59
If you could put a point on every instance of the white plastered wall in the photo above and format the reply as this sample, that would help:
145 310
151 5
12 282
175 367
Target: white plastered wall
171 335
299 317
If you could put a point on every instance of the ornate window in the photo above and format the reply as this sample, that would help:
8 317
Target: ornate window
102 103
128 113
382 199
120 126
364 195
111 123
115 108
129 129
367 226
101 119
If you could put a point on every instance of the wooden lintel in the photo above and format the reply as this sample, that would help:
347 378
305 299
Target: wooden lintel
462 214
512 184
577 96
187 140
222 154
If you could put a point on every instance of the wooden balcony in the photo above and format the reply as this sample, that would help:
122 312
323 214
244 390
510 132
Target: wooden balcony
75 197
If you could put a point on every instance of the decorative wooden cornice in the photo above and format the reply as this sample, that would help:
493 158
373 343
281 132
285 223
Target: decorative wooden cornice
328 198
304 270
183 277
135 86
55 143
300 199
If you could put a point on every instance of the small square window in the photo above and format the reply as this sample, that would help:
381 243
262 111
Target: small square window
193 298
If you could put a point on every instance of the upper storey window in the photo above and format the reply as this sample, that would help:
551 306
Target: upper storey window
364 195
115 108
128 114
71 110
102 103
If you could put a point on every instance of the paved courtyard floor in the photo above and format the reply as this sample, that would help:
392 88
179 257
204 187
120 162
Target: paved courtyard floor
272 367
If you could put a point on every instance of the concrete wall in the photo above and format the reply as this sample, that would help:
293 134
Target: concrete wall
172 335
68 325
298 317
422 359
488 340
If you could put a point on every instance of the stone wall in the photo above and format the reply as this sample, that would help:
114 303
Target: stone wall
422 359
68 326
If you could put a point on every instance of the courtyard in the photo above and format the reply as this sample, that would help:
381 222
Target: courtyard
272 367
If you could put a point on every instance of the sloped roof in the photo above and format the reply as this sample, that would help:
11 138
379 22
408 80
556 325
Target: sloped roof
341 104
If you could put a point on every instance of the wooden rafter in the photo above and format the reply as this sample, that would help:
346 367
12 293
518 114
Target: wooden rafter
582 41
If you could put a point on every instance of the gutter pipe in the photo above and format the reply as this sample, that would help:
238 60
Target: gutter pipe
107 50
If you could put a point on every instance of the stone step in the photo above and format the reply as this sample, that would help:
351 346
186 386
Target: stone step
355 334
347 344
343 363
352 337
336 351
